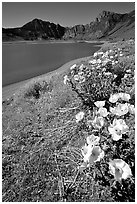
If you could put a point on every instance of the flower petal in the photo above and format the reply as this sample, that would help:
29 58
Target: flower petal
98 122
73 66
79 116
84 150
93 140
131 109
124 96
126 171
119 169
102 112
116 137
99 104
120 109
119 163
66 79
114 98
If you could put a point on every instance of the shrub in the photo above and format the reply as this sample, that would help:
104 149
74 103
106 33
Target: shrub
37 88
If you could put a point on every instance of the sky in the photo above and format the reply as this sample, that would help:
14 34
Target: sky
16 14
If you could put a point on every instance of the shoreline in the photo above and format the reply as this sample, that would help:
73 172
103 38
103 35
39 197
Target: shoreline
35 42
9 90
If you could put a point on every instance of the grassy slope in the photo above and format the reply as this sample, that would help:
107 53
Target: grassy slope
42 141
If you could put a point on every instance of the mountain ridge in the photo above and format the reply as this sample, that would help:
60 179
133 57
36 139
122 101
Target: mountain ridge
106 25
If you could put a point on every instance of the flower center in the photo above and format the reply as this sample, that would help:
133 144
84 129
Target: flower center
118 131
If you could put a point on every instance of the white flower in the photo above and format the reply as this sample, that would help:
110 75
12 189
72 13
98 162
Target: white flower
92 154
107 73
100 53
118 128
98 122
113 98
89 123
124 96
79 77
99 61
104 69
125 76
121 55
79 116
113 62
80 73
89 74
99 104
72 72
81 66
92 61
111 57
82 79
95 54
97 155
102 112
93 140
105 61
76 77
73 66
107 52
86 152
115 76
97 67
66 79
131 109
119 169
128 70
120 109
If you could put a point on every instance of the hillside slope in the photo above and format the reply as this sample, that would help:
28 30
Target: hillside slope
43 136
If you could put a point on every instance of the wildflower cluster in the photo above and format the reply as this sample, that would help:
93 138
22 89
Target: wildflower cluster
97 78
106 111
101 118
105 128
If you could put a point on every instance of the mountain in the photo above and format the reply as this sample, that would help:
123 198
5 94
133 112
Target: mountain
36 29
107 25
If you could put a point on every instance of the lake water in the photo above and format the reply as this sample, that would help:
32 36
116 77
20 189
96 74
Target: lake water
21 61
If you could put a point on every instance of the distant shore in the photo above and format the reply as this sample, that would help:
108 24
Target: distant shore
51 41
38 41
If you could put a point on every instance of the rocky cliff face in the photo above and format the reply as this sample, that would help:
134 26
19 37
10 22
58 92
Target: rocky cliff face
44 29
103 24
106 25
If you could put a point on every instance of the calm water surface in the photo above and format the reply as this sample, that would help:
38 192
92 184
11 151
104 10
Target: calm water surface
21 61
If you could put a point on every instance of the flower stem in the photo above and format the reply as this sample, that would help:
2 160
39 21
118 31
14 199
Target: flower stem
100 171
